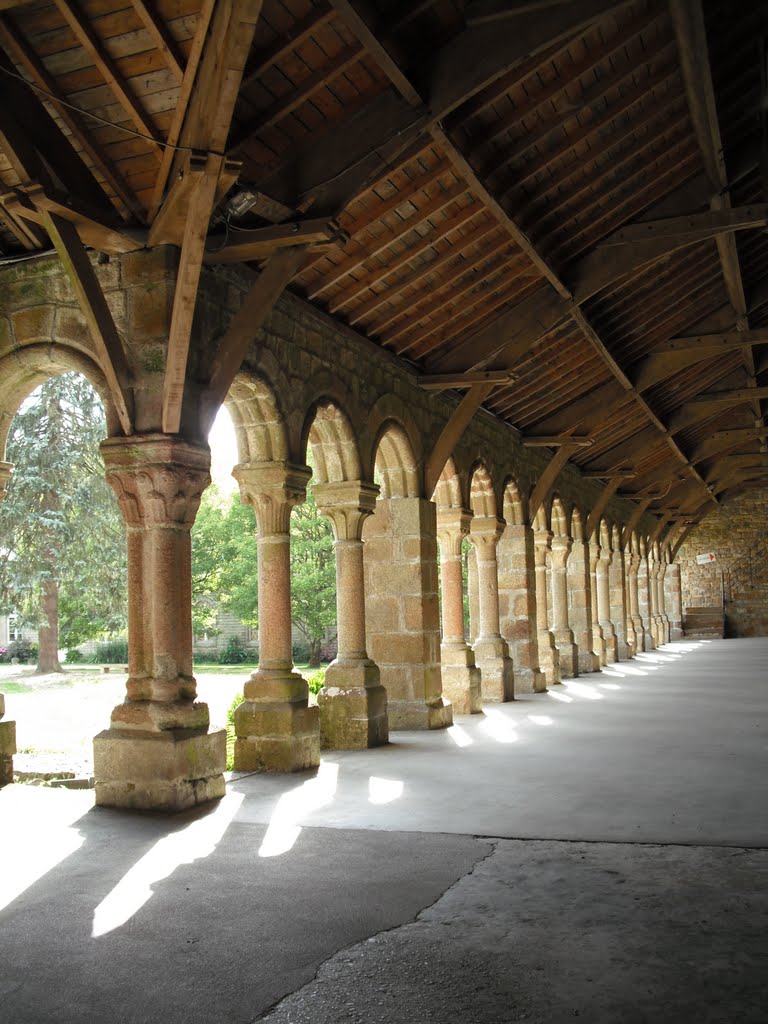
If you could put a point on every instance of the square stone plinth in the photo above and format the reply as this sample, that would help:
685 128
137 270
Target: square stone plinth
414 714
461 679
279 737
352 717
161 771
7 750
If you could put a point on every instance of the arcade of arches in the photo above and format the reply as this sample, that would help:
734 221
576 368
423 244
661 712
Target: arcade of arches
565 575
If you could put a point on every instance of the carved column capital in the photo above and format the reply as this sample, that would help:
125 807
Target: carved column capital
484 534
453 525
158 479
561 548
347 504
272 488
542 545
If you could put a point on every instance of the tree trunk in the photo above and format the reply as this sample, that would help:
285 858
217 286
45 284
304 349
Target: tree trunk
314 653
48 637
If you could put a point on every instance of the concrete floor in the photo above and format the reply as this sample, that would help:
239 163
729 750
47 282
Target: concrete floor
595 852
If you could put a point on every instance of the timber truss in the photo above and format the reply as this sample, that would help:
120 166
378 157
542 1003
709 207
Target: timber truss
558 207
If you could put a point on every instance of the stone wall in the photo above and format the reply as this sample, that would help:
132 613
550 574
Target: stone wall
737 534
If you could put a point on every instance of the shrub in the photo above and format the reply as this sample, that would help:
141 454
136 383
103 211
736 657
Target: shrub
234 652
110 652
73 656
24 650
300 652
316 681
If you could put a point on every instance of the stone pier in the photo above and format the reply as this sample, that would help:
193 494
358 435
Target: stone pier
491 651
549 657
517 606
569 655
461 676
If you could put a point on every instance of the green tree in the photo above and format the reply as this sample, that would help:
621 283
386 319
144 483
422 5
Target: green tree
62 545
225 567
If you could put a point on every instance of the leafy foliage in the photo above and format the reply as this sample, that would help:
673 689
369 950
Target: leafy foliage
61 533
225 567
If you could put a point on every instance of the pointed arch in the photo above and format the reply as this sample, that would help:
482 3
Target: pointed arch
447 493
577 525
559 519
258 421
334 449
395 462
482 496
512 504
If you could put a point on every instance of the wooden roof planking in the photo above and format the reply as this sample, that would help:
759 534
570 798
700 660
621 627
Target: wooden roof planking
573 192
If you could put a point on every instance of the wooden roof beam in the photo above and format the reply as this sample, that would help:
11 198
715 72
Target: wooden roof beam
93 305
557 440
443 381
261 243
452 433
34 202
600 505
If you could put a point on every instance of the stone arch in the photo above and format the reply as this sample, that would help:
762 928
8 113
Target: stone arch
540 519
387 412
604 534
513 507
558 518
27 369
577 525
616 537
447 493
334 449
395 462
482 496
258 421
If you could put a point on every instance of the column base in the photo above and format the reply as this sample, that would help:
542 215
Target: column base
277 729
529 680
159 771
7 750
497 677
414 714
622 650
675 631
569 655
353 707
461 678
589 661
549 658
611 646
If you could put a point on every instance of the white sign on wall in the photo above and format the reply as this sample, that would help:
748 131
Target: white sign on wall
703 559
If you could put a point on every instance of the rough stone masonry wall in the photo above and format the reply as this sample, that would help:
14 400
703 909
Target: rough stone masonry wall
737 534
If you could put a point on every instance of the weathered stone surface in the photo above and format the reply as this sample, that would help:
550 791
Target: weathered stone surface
276 737
353 707
166 771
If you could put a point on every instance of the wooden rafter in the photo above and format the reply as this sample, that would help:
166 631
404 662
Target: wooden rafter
452 433
93 46
162 38
15 44
90 297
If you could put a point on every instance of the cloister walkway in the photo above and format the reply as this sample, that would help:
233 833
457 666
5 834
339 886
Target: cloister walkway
597 851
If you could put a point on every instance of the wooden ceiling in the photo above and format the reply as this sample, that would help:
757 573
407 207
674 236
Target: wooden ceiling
574 192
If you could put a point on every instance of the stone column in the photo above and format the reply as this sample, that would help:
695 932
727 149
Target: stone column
634 622
597 629
491 651
276 727
352 702
580 606
7 729
657 631
569 655
674 600
604 603
402 615
461 676
662 597
549 657
517 606
158 752
618 602
473 599
644 599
